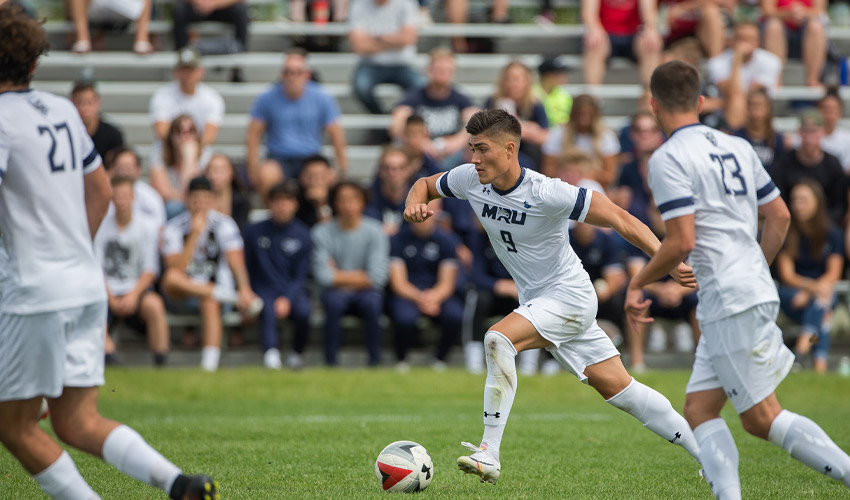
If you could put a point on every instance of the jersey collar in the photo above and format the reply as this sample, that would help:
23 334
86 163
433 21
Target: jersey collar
685 126
518 182
21 91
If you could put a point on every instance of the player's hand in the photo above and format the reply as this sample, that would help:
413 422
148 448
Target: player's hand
417 213
684 275
637 308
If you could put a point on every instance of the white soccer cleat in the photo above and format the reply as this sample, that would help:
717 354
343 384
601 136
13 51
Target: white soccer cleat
480 463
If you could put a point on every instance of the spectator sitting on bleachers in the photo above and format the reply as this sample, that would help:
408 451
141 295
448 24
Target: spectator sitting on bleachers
187 95
701 18
670 301
315 182
809 265
233 12
626 29
230 196
457 12
124 162
810 161
632 192
515 95
444 109
205 263
389 190
415 142
423 278
758 130
557 101
741 68
105 136
294 115
320 10
384 34
586 132
494 293
111 11
836 139
277 255
180 159
350 264
126 245
797 29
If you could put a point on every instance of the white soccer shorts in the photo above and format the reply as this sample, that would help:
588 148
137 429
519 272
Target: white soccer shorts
744 354
44 352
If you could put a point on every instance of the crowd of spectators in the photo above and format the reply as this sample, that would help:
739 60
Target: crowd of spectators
191 241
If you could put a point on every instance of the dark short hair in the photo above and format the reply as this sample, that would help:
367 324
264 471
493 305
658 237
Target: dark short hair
675 86
316 158
415 119
494 122
113 155
200 183
285 189
22 41
831 93
334 193
82 86
119 180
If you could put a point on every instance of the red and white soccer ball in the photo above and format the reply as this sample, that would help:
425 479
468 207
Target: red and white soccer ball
404 466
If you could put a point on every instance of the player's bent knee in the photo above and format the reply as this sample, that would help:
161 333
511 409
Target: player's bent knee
756 426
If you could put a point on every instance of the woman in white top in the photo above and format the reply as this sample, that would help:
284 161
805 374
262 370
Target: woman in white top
586 132
176 161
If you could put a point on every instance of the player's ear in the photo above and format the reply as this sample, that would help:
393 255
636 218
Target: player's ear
510 149
700 103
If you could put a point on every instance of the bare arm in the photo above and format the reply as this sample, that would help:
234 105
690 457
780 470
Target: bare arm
648 13
337 136
776 222
236 262
679 242
256 129
161 129
399 120
423 191
98 192
399 284
446 281
210 134
604 213
159 181
356 279
590 13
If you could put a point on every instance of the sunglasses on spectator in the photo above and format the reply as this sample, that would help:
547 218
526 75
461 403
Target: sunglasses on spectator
294 72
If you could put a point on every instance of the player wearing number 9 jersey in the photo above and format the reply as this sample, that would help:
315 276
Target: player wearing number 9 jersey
711 189
53 196
526 217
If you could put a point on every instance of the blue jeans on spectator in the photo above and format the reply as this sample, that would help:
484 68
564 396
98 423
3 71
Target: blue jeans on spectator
366 304
405 313
290 165
367 76
810 317
299 314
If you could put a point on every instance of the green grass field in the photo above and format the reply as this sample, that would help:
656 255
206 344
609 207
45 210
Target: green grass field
316 434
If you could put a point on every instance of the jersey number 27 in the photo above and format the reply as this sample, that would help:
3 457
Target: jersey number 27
51 155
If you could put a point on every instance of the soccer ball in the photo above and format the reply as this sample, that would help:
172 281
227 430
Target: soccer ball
404 466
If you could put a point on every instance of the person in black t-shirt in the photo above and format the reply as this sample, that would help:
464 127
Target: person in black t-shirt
106 137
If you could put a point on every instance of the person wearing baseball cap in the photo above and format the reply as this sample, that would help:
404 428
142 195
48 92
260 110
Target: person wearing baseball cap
551 92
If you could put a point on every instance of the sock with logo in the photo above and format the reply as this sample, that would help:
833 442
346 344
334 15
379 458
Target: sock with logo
808 443
499 388
656 414
719 458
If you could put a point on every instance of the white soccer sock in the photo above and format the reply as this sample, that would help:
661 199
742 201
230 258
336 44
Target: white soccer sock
128 452
657 414
62 481
499 388
718 456
209 358
808 443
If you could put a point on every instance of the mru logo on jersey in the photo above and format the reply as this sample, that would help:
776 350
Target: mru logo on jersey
503 214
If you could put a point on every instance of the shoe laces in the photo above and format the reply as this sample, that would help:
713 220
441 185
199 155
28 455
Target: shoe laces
473 448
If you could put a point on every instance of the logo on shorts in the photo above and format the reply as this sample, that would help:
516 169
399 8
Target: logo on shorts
733 392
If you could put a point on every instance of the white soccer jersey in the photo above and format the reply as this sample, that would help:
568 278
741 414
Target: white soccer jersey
719 179
125 254
47 262
527 225
209 262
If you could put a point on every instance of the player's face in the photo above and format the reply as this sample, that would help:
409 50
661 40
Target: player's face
490 157
804 203
122 197
283 209
88 105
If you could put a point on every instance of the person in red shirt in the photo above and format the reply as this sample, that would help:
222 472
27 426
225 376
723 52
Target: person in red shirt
624 28
702 19
797 28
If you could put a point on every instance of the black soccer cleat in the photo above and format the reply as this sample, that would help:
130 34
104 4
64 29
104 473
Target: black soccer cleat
200 487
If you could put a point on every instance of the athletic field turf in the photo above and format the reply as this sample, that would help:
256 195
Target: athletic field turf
316 434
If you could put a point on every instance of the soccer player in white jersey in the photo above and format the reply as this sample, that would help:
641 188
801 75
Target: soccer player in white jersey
711 189
526 216
53 196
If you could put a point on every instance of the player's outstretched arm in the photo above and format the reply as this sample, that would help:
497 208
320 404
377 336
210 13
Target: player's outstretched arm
776 222
98 192
423 191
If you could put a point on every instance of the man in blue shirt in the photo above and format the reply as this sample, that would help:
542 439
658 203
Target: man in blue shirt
423 282
277 254
293 114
